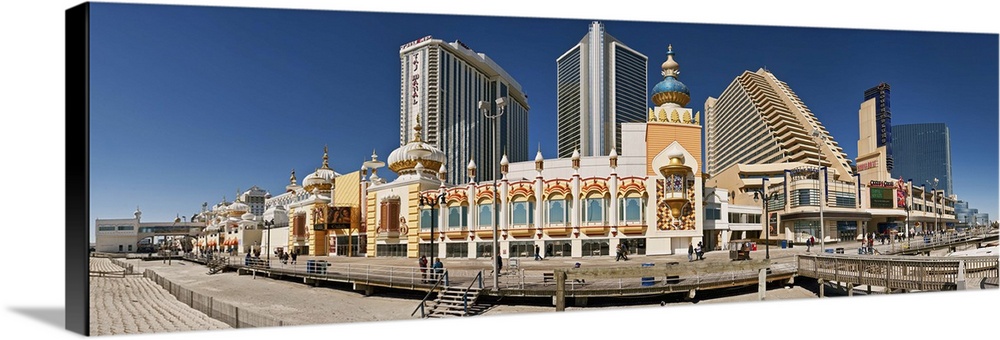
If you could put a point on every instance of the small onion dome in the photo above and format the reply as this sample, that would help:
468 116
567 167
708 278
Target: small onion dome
503 160
538 156
671 90
443 173
248 216
238 208
419 168
322 178
676 154
472 170
576 154
614 154
613 158
404 159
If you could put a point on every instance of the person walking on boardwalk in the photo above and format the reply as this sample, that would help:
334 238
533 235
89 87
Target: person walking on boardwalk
423 268
295 255
499 263
437 269
809 243
538 255
690 252
618 252
624 250
699 251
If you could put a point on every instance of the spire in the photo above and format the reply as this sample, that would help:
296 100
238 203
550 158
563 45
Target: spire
326 158
670 67
416 130
291 179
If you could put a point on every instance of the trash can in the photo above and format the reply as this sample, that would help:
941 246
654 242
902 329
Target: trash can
784 244
647 281
840 250
311 266
321 266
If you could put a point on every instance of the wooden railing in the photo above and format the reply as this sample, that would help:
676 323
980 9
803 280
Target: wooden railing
899 272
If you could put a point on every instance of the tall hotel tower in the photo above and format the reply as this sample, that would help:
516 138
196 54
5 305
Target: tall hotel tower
923 153
442 83
601 83
875 160
759 120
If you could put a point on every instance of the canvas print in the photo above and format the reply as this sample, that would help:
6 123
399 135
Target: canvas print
274 167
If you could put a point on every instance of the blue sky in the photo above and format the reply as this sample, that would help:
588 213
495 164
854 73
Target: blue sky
190 104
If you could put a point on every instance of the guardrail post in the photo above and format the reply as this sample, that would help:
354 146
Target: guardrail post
960 281
761 284
560 277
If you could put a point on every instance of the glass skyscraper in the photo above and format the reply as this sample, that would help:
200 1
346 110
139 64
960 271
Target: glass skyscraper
601 83
922 152
443 83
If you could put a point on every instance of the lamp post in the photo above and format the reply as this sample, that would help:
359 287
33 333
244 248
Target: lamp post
822 194
762 196
484 106
267 247
937 221
434 203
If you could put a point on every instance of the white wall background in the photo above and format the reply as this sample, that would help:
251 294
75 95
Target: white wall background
32 107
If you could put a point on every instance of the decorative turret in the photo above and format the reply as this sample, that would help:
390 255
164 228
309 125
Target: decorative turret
443 173
613 158
576 159
504 164
403 160
539 161
472 170
322 178
671 92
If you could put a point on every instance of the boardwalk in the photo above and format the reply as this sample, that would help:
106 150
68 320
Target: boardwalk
132 304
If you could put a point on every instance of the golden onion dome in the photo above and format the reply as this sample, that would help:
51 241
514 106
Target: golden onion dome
404 159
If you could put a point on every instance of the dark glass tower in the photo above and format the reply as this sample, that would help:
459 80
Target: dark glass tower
883 117
601 83
923 153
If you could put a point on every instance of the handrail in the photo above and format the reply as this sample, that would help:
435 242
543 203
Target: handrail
437 282
465 295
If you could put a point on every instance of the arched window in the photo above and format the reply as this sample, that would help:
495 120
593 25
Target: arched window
485 215
522 213
594 209
631 208
557 210
458 217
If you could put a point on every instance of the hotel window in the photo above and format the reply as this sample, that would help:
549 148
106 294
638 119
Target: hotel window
484 249
106 228
458 250
712 213
594 210
631 209
522 213
426 218
485 215
596 247
557 211
558 248
521 249
458 217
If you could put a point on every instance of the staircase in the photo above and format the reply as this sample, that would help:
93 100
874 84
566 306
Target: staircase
217 265
452 302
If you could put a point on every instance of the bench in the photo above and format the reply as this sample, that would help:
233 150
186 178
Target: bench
551 277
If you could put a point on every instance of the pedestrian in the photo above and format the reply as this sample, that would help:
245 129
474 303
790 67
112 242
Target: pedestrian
577 266
624 250
295 255
809 243
538 255
690 251
698 251
499 263
423 268
437 269
618 252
